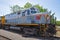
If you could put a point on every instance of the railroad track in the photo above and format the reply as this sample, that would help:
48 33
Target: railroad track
24 38
4 38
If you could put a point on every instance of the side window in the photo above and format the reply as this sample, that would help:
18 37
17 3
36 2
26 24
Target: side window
5 20
28 12
23 13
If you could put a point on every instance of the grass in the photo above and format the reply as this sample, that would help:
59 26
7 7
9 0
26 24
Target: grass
58 23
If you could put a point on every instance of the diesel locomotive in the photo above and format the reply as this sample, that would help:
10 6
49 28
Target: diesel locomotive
30 21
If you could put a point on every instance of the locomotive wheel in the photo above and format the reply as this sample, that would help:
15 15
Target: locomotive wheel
21 30
51 30
41 33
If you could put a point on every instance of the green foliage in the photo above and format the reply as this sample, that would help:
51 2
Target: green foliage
27 5
58 23
17 8
41 9
53 19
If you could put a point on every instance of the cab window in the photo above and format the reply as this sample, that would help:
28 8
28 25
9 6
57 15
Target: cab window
33 11
18 13
32 8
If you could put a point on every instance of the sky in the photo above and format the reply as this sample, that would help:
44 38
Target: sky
53 5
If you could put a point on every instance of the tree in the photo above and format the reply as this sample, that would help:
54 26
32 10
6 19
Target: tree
16 8
53 19
27 5
41 9
44 10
